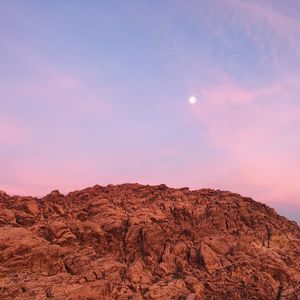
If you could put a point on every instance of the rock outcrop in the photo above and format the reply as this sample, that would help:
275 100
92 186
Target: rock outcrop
137 242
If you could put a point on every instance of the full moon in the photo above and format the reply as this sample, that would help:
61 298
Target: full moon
192 100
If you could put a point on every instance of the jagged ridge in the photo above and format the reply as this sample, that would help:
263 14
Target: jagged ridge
136 241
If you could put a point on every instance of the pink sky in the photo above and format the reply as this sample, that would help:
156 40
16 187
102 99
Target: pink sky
97 93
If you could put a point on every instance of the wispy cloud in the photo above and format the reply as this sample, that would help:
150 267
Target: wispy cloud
121 114
264 24
257 131
12 132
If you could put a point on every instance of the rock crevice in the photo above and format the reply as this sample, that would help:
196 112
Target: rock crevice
136 241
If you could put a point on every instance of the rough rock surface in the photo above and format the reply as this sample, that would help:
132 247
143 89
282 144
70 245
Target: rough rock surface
146 242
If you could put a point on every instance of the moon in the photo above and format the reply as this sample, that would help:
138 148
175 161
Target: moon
192 100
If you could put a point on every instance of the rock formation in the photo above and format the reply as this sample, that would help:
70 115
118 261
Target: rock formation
137 242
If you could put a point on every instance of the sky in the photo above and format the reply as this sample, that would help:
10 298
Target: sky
96 92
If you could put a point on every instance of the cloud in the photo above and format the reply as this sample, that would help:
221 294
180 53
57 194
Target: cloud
58 90
262 23
38 176
12 132
46 83
258 133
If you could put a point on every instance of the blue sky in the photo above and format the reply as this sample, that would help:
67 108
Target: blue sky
97 92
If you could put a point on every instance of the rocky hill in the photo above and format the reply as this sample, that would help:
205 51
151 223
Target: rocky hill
136 241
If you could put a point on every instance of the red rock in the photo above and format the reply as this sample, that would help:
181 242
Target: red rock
146 242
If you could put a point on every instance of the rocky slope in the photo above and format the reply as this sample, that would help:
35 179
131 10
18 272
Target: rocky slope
146 242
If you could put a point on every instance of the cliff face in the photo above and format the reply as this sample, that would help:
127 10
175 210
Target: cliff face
146 242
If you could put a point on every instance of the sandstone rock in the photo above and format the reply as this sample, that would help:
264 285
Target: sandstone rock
134 241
